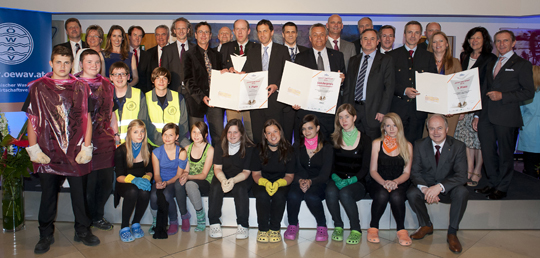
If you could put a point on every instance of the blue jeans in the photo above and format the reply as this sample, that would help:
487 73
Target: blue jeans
169 196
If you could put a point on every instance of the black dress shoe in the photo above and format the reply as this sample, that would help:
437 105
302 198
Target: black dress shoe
496 195
87 238
485 190
44 244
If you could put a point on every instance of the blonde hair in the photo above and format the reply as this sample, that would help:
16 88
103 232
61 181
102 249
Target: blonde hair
337 135
536 77
144 148
403 144
447 61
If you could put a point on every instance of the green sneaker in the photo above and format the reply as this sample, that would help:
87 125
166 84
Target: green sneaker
337 235
201 221
354 237
151 229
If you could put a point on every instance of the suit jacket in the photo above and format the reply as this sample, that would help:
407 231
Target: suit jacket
345 47
357 46
154 58
196 78
423 45
170 59
515 81
308 59
380 85
145 83
452 168
404 69
231 48
481 63
68 45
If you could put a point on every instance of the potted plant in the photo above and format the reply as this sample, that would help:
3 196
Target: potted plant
14 165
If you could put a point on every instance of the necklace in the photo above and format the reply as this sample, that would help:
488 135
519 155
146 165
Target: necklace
349 138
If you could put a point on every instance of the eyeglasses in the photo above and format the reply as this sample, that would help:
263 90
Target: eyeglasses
119 74
203 32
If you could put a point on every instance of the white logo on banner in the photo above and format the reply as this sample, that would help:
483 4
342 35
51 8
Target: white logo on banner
16 44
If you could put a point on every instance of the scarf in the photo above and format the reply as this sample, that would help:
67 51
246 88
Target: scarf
350 137
390 144
136 149
234 148
311 144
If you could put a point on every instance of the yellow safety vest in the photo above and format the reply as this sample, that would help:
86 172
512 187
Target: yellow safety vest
130 112
160 117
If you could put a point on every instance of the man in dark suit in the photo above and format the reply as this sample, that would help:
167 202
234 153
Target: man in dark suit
334 26
271 57
241 46
508 82
199 62
370 85
331 61
387 35
431 28
162 39
172 57
409 59
438 172
363 24
142 58
74 43
224 36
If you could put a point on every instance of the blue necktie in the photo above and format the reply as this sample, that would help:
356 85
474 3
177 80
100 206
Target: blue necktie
265 59
359 92
293 55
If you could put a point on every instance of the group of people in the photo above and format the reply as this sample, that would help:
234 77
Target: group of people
141 115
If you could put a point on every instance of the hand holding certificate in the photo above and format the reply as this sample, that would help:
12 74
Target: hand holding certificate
239 91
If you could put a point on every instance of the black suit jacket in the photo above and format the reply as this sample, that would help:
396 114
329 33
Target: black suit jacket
380 85
231 48
196 78
452 168
515 81
357 46
154 58
481 63
68 45
404 69
170 59
308 59
144 72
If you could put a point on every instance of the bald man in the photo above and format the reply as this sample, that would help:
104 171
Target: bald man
431 28
334 26
224 36
363 24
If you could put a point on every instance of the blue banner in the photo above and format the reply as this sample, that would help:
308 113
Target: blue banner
25 50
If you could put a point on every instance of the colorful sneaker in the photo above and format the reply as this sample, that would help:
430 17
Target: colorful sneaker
337 235
274 236
186 225
322 234
241 232
291 232
201 221
137 230
215 231
354 237
173 228
126 236
153 227
262 236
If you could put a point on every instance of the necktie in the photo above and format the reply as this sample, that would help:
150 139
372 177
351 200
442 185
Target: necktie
77 47
335 45
161 50
320 62
498 67
265 59
411 52
359 91
241 50
182 52
136 57
386 52
437 154
293 55
208 66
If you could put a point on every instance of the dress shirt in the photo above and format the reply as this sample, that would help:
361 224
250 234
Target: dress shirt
74 48
506 57
138 51
243 46
325 58
332 42
219 47
295 49
179 45
413 49
384 51
434 152
471 63
159 52
269 51
370 62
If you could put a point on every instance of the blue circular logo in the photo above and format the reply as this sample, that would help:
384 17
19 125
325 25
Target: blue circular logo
16 44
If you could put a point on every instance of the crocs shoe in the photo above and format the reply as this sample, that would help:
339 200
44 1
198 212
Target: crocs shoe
262 236
274 236
215 231
322 234
291 232
173 228
337 235
137 230
126 236
152 228
373 235
241 232
186 226
404 239
354 237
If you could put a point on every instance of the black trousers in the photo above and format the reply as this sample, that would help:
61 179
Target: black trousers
241 201
270 209
498 153
457 197
98 190
134 199
381 197
50 186
362 122
530 161
413 128
313 197
347 196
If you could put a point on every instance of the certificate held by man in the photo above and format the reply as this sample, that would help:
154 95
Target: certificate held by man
448 94
239 91
310 89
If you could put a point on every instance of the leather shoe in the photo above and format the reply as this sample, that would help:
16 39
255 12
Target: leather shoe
453 243
87 238
485 190
496 195
421 232
44 244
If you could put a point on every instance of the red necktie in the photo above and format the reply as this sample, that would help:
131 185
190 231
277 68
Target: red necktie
136 57
241 50
335 45
411 52
182 53
160 57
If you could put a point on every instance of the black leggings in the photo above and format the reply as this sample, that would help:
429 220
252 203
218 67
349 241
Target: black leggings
381 197
134 198
241 201
98 191
348 196
270 209
313 197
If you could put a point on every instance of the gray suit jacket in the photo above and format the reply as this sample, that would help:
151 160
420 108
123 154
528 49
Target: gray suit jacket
452 168
347 48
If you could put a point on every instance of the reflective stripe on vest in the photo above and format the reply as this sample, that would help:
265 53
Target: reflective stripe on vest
160 117
130 112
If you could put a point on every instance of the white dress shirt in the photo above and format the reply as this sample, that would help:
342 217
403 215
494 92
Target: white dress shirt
325 58
179 45
74 48
332 42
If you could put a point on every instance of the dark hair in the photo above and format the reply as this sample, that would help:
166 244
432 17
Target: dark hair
313 119
289 24
203 23
87 52
487 47
505 31
96 28
412 23
130 30
124 48
387 27
61 51
72 20
247 23
173 27
265 22
203 128
160 71
171 126
284 147
118 65
244 140
373 30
